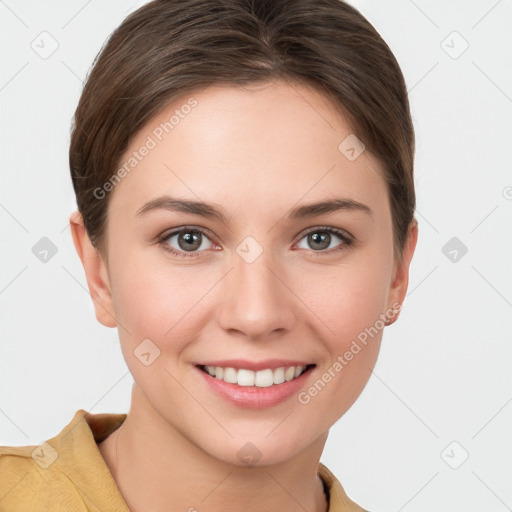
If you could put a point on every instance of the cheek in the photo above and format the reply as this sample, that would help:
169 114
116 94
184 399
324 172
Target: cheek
158 301
155 302
144 298
346 299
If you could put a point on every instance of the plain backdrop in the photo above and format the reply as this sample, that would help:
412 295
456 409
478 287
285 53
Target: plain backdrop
431 431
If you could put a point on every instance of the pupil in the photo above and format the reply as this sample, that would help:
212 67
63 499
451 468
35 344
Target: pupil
190 239
320 239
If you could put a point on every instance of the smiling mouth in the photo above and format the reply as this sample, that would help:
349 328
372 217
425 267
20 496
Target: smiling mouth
261 378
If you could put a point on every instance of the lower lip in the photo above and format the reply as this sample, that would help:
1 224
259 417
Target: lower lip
252 396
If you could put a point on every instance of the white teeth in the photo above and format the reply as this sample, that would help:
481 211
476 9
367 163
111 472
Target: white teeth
246 378
261 378
289 373
229 375
264 378
279 376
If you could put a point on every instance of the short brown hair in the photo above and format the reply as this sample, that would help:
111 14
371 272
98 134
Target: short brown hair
169 47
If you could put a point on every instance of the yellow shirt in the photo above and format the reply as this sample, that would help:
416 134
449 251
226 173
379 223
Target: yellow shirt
68 472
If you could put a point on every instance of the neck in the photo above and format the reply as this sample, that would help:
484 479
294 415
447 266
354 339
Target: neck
157 468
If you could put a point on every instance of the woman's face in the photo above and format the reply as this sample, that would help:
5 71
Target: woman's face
252 286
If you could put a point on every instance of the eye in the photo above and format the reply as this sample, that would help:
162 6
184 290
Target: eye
189 241
320 238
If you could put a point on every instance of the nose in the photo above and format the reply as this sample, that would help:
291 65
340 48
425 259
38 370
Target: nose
256 300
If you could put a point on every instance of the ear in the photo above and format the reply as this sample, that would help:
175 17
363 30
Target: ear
95 271
400 280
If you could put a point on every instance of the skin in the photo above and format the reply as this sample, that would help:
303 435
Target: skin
257 152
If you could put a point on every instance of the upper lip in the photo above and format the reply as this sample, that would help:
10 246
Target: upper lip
255 365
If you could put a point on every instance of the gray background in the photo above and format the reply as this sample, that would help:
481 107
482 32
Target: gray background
441 390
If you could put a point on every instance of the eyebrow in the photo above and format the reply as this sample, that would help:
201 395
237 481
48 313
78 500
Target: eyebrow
211 211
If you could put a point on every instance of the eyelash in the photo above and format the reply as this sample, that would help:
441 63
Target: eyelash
346 239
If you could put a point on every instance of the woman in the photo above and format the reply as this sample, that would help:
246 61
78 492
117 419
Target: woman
244 180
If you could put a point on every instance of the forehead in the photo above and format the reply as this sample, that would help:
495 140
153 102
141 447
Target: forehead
252 146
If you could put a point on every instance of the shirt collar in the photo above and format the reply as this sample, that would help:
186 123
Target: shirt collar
82 462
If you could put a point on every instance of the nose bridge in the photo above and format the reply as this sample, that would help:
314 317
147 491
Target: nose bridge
255 302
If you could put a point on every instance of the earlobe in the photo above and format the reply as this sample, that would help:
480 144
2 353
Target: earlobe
400 281
95 271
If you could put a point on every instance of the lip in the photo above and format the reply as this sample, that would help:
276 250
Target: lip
253 397
255 365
